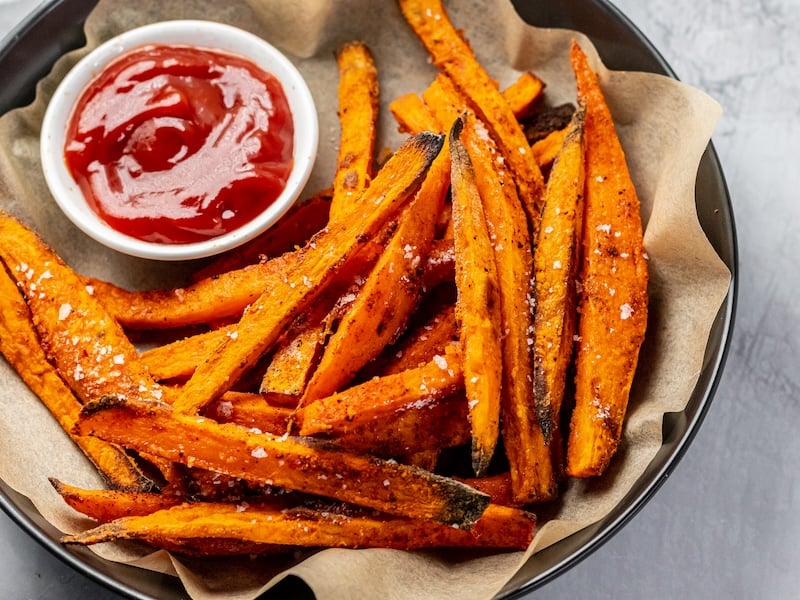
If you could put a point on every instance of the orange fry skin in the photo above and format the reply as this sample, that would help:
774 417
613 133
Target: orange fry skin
288 462
382 396
477 306
252 525
556 262
106 505
86 344
524 440
613 304
358 94
412 115
19 344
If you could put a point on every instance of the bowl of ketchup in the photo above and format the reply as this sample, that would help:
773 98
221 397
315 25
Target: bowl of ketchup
179 140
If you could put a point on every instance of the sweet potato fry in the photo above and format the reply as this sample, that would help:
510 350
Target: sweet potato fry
19 343
500 527
547 120
419 428
309 270
416 427
107 505
546 149
440 264
293 229
444 101
453 56
412 115
90 353
523 94
613 303
206 301
381 397
210 300
497 486
391 291
178 360
90 350
358 115
293 363
287 462
477 306
525 444
420 345
250 410
556 262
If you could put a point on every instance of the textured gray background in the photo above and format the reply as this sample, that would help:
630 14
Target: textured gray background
727 522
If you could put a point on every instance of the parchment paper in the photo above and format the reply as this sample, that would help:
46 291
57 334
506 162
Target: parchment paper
664 127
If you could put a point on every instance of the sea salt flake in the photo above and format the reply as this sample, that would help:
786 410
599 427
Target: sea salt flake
440 361
625 311
258 452
605 228
64 311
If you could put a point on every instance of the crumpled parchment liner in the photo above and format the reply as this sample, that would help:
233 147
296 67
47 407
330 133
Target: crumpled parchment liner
664 126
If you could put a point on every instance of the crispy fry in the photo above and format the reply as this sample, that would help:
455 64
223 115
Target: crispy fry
416 427
288 462
377 398
293 229
412 115
556 262
444 101
310 270
525 444
389 295
523 94
90 350
20 345
107 505
211 300
422 344
477 306
497 486
358 116
500 527
421 428
452 55
250 410
613 303
293 363
178 360
206 301
546 149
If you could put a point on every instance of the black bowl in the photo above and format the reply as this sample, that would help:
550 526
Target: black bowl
27 54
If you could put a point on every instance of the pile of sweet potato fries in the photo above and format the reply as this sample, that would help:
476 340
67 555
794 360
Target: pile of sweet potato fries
392 364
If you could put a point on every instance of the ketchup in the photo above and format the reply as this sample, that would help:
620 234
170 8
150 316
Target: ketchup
176 144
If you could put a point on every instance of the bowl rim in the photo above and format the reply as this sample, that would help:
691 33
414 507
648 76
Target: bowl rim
18 45
210 35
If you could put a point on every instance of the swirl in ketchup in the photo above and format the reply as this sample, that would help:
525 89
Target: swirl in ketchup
177 144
